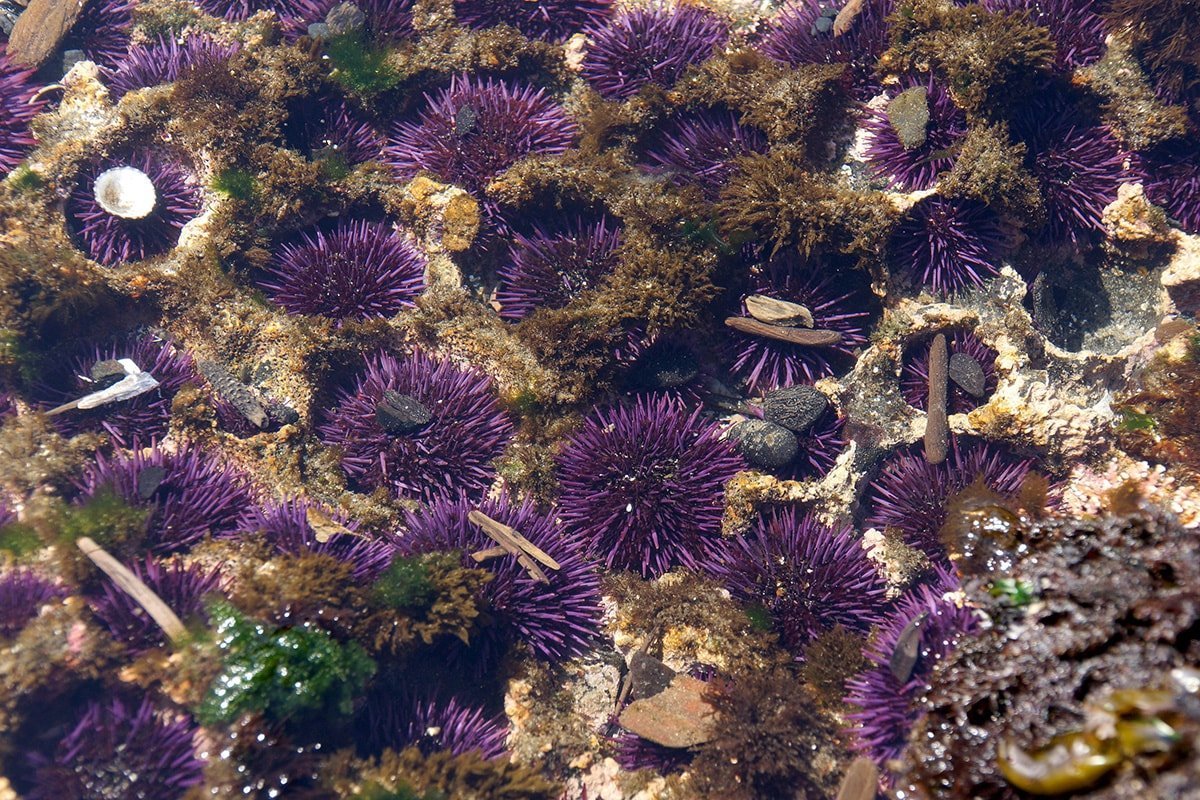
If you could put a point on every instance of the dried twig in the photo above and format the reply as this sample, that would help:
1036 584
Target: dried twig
129 583
513 543
937 424
808 337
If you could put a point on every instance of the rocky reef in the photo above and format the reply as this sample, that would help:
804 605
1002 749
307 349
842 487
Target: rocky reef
539 399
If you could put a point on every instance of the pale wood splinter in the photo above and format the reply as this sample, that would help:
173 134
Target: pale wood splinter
513 543
808 337
129 583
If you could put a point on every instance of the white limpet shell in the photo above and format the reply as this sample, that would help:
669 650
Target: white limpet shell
125 192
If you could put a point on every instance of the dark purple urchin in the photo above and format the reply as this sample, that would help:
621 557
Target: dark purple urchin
553 20
910 494
142 418
189 494
700 149
1077 26
643 486
1173 182
241 9
182 588
890 707
802 33
634 753
947 244
386 20
449 455
120 751
394 718
838 302
113 240
914 374
164 61
359 270
550 266
285 526
475 128
102 30
17 109
916 167
808 577
326 127
653 45
556 620
820 446
22 594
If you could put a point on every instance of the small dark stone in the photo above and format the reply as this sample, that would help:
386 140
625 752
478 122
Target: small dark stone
663 368
282 414
71 58
647 675
318 30
148 481
400 414
967 374
105 373
823 24
908 650
765 444
795 407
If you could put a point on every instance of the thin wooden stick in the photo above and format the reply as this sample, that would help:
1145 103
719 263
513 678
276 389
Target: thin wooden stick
937 424
809 337
491 552
494 528
129 583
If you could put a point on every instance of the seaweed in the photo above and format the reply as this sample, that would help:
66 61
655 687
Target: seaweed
409 774
990 168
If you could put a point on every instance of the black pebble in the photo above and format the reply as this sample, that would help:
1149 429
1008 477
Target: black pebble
647 675
822 25
400 414
765 444
795 407
105 373
663 368
148 481
967 374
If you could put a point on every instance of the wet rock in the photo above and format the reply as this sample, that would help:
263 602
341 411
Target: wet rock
345 18
795 407
234 392
148 481
908 114
400 414
40 29
106 373
282 414
764 444
318 30
678 716
1182 276
647 675
70 58
967 374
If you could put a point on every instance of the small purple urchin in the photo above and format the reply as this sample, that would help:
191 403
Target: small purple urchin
914 374
359 270
634 753
386 20
164 61
139 419
449 455
910 494
285 527
820 446
1077 27
241 9
182 588
549 267
120 751
643 486
102 30
808 577
556 620
889 708
700 149
1079 167
475 128
189 494
552 20
398 720
838 302
326 127
653 45
1173 182
111 239
22 594
17 109
802 33
917 167
947 244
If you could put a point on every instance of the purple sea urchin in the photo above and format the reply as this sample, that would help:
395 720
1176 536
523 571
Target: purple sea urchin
241 9
386 20
820 446
907 166
17 109
802 33
700 149
1077 26
914 374
653 45
1173 182
22 593
910 494
548 267
359 270
448 455
634 753
164 61
189 494
142 418
111 239
807 576
643 486
182 588
102 30
837 301
556 620
890 707
947 244
398 720
327 128
121 751
285 526
475 128
553 20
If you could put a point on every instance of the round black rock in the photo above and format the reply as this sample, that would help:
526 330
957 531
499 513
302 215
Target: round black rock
795 407
765 445
400 414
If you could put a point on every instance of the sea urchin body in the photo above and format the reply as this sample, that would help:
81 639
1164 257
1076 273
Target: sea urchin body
911 165
553 20
16 111
182 588
947 244
22 593
701 149
164 61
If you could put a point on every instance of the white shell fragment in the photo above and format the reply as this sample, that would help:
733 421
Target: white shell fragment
125 192
778 312
134 383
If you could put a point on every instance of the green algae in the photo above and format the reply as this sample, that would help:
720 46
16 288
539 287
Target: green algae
19 539
106 518
406 583
236 183
360 66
